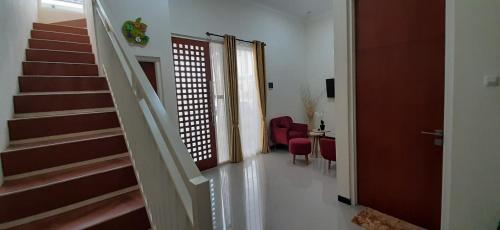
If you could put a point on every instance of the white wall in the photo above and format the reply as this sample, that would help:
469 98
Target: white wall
472 129
156 15
47 14
319 62
89 17
283 34
88 12
16 18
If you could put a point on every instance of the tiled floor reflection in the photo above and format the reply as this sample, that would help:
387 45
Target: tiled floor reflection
269 192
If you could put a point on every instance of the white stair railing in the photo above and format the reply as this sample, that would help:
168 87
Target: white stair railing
177 195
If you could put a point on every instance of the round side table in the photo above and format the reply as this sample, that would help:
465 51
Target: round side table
316 135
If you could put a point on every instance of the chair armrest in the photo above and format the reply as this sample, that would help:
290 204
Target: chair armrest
280 135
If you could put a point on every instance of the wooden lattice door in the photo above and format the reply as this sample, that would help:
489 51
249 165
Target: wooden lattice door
194 104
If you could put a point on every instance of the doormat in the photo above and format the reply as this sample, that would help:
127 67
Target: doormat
371 219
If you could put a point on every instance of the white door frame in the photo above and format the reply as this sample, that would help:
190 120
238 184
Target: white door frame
159 81
352 100
345 102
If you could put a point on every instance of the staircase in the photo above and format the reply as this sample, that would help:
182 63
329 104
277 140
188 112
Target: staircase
67 166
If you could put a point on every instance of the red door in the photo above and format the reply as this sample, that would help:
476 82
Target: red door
149 69
399 95
194 103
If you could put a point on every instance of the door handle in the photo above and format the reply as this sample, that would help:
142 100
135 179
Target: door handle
437 133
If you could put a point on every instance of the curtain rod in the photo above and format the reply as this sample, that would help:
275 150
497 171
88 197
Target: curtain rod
221 36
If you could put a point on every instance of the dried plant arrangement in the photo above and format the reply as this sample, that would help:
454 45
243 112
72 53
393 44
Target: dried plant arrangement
310 102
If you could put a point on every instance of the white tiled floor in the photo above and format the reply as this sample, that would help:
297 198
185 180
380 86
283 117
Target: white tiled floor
269 192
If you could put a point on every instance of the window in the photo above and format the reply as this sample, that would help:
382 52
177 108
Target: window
72 5
249 107
217 59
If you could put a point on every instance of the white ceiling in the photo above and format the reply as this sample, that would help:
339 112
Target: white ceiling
299 7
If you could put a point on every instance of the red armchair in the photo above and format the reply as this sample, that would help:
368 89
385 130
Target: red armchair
327 148
283 129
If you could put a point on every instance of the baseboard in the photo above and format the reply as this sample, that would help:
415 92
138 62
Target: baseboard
344 200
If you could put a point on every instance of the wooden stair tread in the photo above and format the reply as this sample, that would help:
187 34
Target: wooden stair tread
53 55
59 68
59 51
62 139
61 83
62 92
59 36
26 129
61 76
59 139
79 43
29 159
55 24
60 28
78 23
59 45
91 215
58 32
34 102
59 63
63 112
60 176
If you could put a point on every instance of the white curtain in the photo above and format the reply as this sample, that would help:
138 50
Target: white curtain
248 100
249 107
217 62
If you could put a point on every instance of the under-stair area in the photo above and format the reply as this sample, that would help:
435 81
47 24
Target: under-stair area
67 166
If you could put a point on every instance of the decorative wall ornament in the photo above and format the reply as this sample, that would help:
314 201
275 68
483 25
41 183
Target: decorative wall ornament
135 32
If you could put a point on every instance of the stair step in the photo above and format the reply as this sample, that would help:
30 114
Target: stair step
60 124
126 211
29 196
64 112
58 28
60 101
59 45
46 55
58 76
59 68
58 36
63 151
79 23
61 83
55 139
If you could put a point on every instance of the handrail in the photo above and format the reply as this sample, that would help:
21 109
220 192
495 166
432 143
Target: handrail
149 94
191 187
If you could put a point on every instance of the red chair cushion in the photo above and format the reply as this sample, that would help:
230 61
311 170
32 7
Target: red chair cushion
299 146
